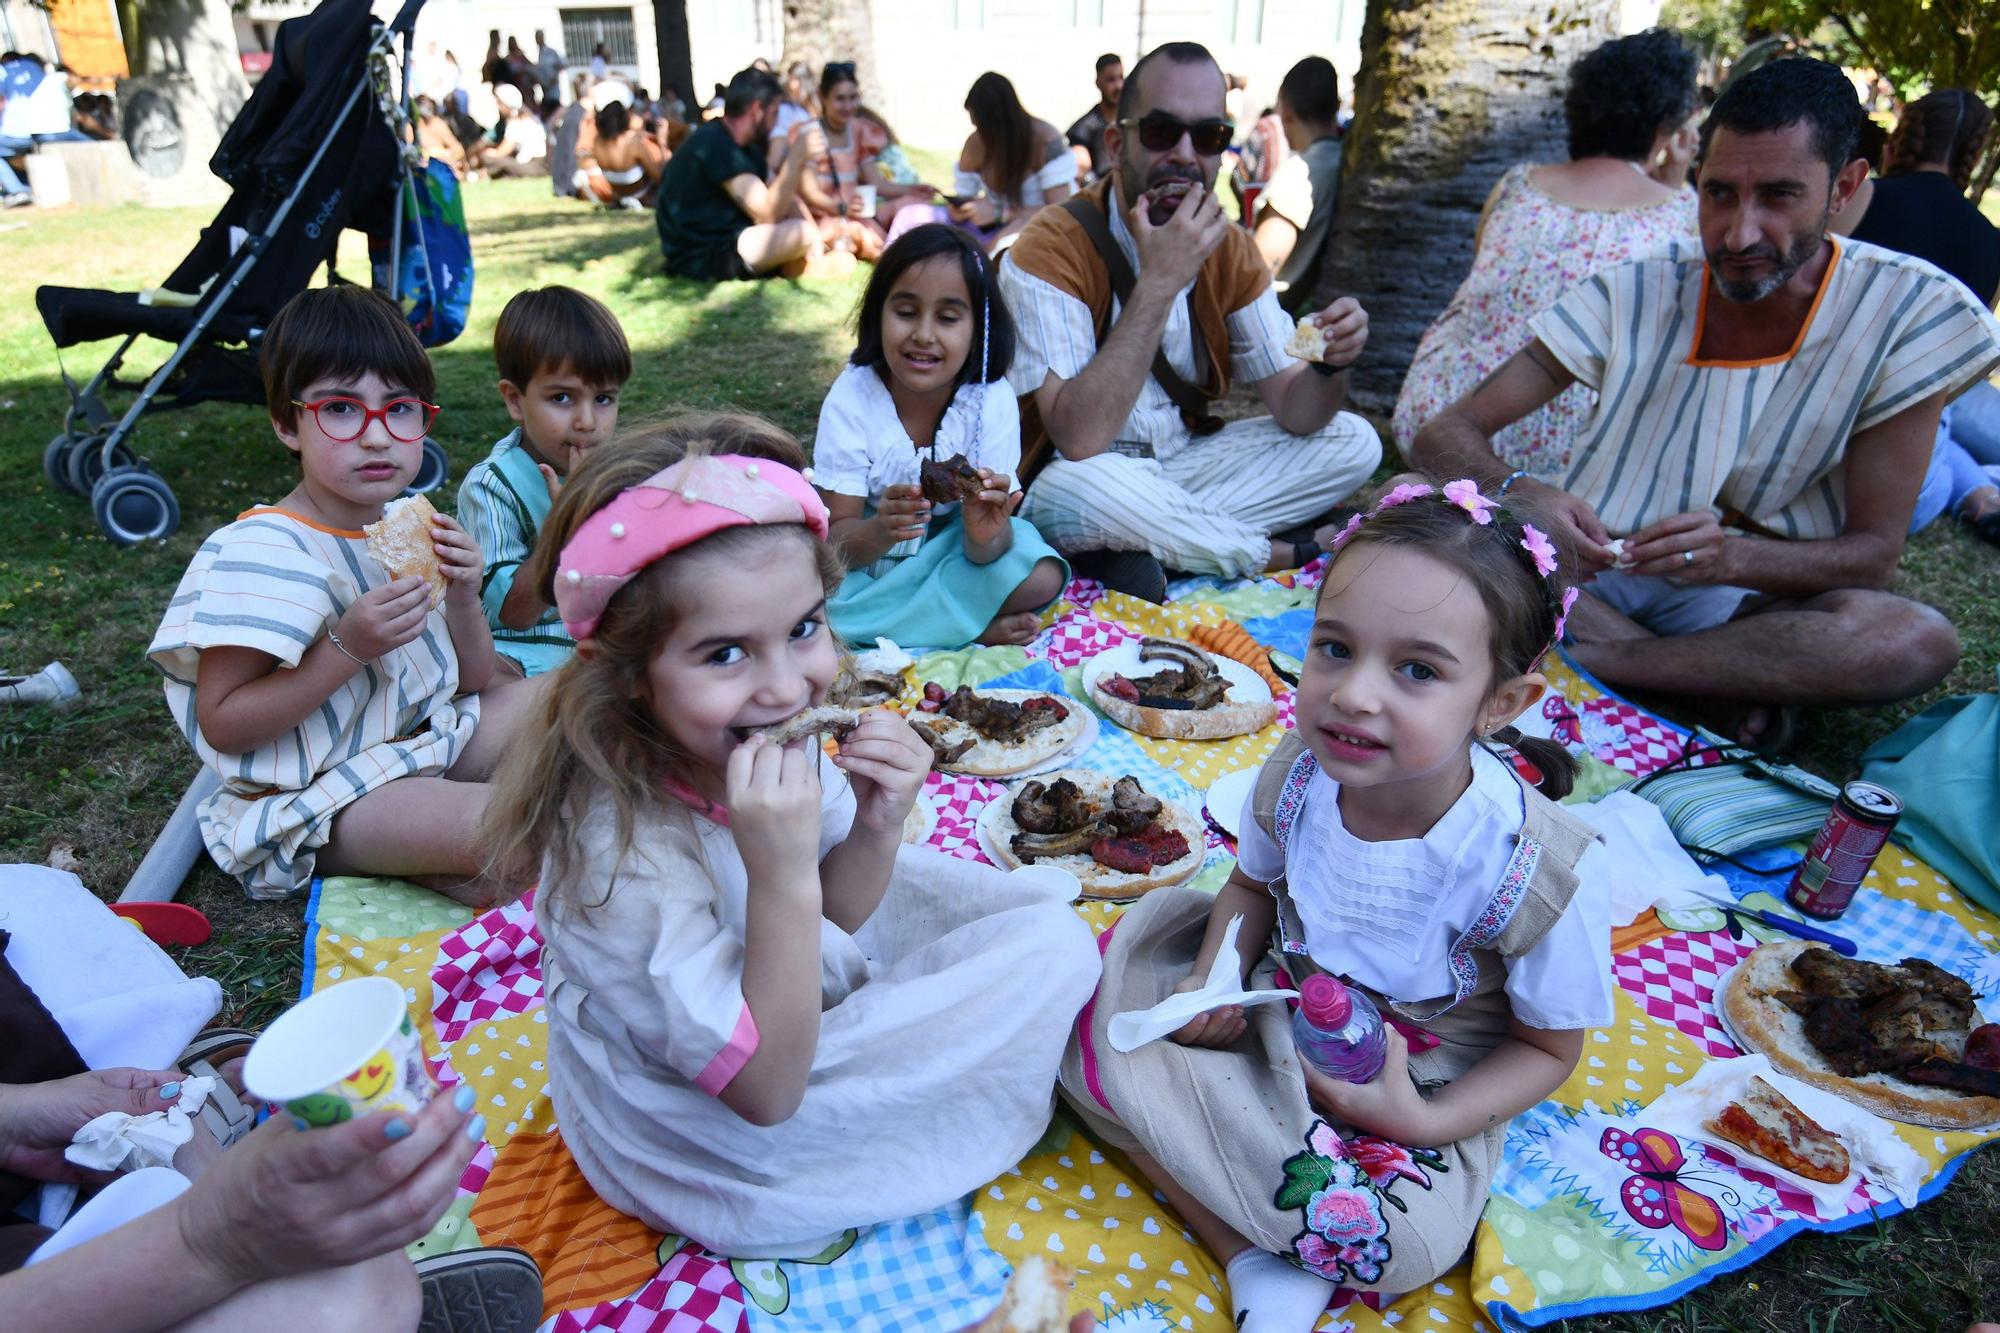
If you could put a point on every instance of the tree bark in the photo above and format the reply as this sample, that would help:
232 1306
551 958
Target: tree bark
817 31
670 38
1451 93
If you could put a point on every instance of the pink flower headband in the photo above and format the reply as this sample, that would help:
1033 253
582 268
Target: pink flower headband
1464 494
675 507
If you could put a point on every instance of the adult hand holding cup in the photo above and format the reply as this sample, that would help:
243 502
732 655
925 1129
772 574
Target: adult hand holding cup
342 1053
864 198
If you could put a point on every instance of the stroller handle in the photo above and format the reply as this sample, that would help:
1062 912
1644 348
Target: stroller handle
405 21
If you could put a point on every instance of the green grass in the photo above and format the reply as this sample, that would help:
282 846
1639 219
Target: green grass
101 779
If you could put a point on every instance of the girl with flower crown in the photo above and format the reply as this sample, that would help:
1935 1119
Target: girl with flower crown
770 1022
1385 844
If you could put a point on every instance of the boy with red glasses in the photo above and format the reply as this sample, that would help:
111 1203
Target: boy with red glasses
1138 304
352 718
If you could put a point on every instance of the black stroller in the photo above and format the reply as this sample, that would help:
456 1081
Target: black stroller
313 151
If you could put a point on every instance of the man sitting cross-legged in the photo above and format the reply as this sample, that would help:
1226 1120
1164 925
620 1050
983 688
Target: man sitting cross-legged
1138 471
1766 406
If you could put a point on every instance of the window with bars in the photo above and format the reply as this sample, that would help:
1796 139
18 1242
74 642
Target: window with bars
583 29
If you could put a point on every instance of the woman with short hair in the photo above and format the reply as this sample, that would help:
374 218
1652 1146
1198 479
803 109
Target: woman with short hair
1547 227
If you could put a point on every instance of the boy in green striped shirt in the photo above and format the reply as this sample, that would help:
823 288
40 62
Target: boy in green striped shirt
563 361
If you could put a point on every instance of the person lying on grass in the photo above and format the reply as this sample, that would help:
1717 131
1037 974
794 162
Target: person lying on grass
352 720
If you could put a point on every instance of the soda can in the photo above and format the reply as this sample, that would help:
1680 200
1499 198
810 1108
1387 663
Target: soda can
1856 830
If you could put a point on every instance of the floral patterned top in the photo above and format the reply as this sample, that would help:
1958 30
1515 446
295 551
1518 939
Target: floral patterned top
1532 250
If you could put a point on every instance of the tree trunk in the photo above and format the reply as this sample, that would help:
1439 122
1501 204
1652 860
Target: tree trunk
817 31
670 37
1451 93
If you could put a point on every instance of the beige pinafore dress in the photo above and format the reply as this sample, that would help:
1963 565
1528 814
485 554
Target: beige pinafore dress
1234 1125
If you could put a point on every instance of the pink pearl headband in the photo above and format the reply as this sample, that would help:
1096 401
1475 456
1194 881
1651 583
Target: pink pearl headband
675 507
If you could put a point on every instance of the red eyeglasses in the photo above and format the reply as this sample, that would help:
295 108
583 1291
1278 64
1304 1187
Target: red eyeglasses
342 418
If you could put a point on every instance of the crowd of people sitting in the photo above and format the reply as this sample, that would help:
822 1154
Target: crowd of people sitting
1682 433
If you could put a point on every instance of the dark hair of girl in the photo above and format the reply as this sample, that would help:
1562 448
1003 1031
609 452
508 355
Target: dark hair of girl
612 120
992 327
1522 604
836 73
1946 128
1007 130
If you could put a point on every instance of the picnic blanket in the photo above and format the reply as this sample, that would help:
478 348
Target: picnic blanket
1562 1234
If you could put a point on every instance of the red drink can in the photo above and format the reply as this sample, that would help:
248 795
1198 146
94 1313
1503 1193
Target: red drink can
1856 830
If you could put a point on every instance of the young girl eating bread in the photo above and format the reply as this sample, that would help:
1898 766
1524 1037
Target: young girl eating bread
926 386
352 715
769 1021
1386 845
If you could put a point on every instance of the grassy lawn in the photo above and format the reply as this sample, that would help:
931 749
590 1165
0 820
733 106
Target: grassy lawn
102 778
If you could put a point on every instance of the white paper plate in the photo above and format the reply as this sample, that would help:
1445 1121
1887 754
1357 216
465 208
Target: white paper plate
917 830
1226 796
990 814
1065 758
1246 686
1729 1029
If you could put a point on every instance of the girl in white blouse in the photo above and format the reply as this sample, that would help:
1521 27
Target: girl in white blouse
1385 844
927 383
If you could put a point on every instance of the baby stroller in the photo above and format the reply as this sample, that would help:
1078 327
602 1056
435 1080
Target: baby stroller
312 152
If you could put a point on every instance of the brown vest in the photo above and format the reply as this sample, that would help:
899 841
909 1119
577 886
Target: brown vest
1054 248
1467 1026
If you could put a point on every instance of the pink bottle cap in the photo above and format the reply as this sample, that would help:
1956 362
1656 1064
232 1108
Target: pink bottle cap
1325 1002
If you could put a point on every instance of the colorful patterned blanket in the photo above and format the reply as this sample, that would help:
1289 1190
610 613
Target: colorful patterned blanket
1565 1231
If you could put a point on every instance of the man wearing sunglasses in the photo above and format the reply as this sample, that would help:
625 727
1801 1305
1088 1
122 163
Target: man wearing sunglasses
1137 304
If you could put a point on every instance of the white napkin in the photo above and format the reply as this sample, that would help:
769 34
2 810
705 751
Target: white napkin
886 657
1642 863
1130 1031
116 1141
1873 1147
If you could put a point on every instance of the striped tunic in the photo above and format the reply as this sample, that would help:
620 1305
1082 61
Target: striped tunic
276 582
502 504
1672 434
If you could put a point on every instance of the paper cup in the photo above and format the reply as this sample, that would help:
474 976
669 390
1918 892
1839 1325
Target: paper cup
866 194
342 1052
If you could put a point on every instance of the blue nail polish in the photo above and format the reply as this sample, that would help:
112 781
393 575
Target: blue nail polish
398 1128
169 1091
463 1098
475 1128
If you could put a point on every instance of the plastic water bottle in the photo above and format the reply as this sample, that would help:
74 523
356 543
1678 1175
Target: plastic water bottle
1338 1031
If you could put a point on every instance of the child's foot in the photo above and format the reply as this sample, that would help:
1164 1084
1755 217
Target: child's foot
1268 1295
1016 628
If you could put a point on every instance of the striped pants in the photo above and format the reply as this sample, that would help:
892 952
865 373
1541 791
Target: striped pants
1210 506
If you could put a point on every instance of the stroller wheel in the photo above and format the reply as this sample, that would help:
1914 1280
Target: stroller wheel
134 505
86 462
433 472
55 463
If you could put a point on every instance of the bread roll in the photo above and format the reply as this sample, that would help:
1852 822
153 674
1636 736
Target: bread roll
401 543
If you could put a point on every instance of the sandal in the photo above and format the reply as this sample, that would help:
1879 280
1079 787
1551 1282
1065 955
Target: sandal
491 1290
224 1114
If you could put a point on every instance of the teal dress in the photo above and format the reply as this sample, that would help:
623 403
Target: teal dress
922 593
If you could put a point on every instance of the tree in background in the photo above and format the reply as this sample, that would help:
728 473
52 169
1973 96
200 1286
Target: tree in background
817 31
1451 93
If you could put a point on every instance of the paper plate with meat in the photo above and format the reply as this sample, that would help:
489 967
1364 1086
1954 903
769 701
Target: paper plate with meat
1116 837
1174 690
1897 1040
988 733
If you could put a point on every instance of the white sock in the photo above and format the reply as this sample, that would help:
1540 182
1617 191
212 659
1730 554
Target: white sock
1268 1295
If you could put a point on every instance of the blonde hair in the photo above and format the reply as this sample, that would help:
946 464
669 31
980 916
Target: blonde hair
595 739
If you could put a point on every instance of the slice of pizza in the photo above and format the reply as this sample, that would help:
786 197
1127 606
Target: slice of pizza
1764 1121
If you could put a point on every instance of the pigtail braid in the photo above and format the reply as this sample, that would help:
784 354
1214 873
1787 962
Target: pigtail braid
1557 765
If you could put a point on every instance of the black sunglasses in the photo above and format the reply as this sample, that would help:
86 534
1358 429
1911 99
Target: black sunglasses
1159 132
840 68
